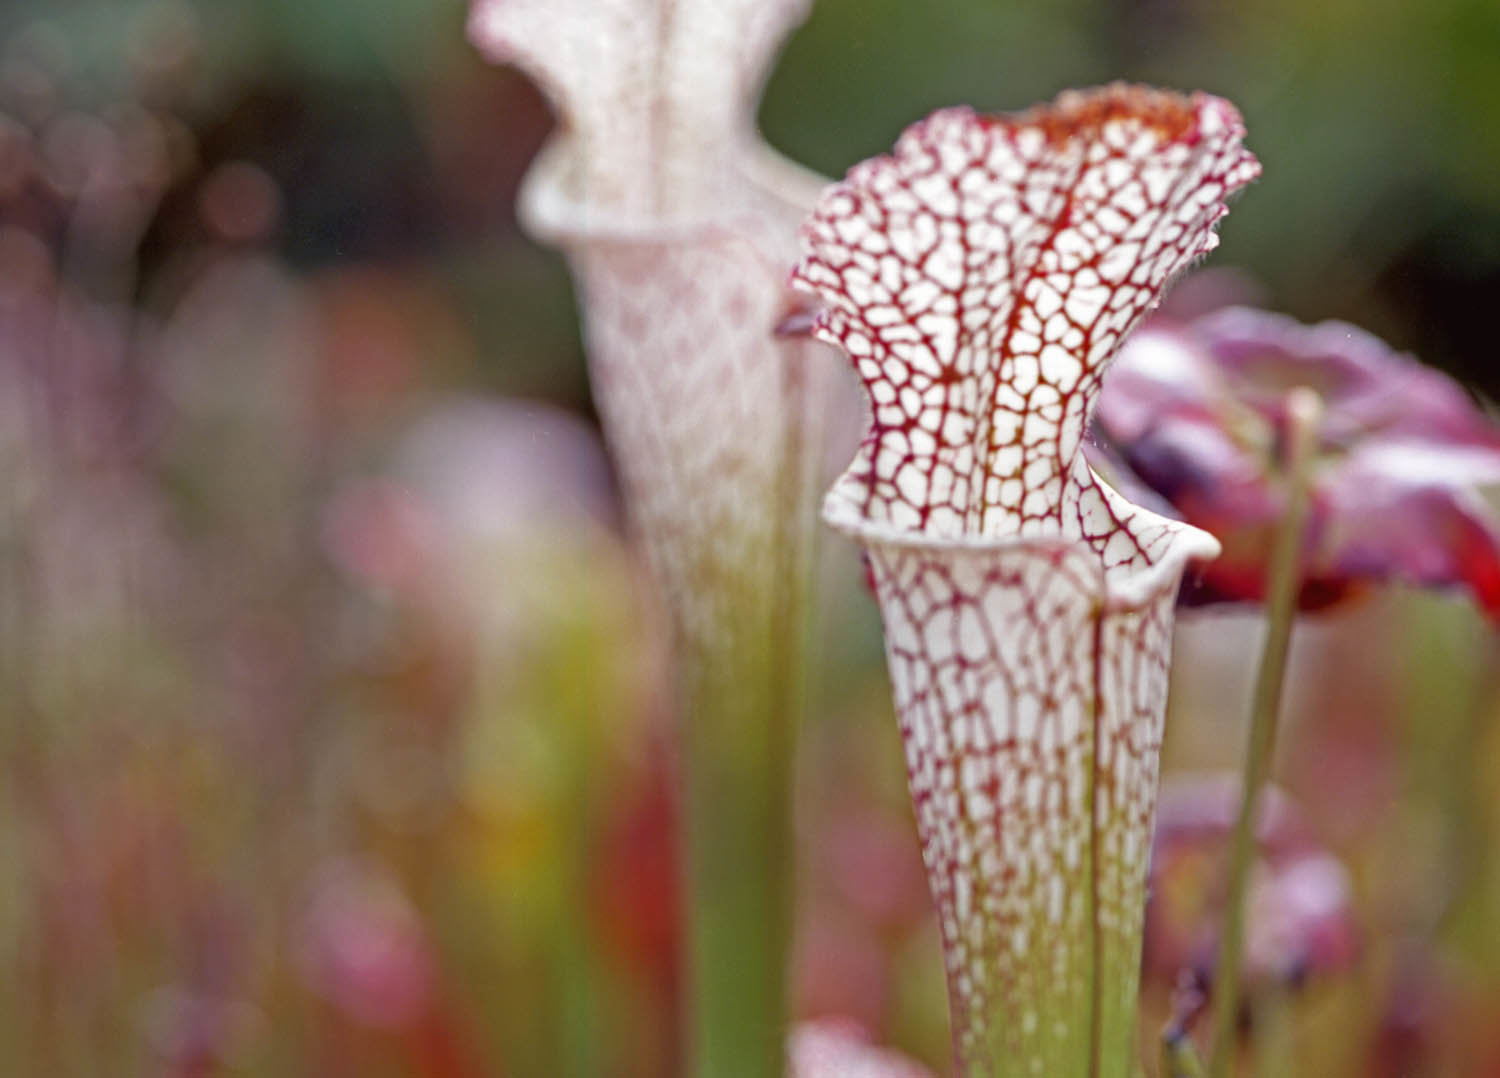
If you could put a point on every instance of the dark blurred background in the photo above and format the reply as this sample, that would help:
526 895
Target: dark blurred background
331 697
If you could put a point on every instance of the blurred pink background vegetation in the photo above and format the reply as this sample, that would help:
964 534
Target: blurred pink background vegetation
332 695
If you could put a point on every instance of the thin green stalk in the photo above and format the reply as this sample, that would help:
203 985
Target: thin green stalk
744 696
1303 410
737 738
579 984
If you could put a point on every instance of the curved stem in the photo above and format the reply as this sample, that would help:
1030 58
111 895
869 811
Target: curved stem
1303 410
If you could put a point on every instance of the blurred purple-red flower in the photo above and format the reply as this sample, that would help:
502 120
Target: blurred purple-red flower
1196 410
1300 916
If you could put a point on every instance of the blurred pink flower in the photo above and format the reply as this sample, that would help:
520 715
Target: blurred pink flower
981 278
365 949
1195 410
1299 911
830 1048
472 480
197 1033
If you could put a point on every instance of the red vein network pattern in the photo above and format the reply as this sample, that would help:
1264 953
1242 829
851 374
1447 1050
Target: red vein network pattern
981 278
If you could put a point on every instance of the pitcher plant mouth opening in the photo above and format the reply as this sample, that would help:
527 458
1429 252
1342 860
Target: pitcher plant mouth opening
762 197
981 277
1119 589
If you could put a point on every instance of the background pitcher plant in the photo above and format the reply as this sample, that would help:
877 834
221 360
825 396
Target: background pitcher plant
678 224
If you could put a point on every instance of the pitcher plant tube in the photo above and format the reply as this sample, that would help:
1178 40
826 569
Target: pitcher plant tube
678 225
981 278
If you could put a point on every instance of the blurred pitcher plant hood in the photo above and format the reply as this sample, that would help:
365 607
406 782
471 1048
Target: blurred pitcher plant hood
678 223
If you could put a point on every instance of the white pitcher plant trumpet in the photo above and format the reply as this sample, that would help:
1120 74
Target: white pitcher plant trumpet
678 225
981 278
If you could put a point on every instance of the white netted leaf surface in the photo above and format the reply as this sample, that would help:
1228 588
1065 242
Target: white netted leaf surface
981 278
705 408
1027 712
